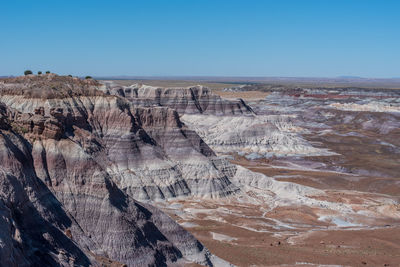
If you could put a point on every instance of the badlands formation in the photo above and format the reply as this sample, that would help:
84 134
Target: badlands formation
97 173
75 162
317 173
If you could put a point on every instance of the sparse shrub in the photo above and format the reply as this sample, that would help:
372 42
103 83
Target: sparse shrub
88 77
70 75
39 73
48 72
18 128
27 72
68 233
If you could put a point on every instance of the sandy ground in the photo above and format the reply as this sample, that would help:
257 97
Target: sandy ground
246 236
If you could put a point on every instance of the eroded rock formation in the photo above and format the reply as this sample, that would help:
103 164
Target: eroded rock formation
73 162
188 100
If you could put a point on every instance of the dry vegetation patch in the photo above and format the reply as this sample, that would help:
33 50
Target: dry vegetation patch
49 86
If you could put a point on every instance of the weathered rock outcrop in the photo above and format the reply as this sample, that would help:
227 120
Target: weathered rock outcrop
226 125
72 166
149 152
188 100
254 136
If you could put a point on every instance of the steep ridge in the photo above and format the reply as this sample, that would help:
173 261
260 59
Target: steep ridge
33 222
187 100
86 156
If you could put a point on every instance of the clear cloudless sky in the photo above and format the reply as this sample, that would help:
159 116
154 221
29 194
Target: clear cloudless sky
314 38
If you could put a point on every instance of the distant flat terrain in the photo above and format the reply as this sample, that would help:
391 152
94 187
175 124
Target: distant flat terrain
172 83
264 82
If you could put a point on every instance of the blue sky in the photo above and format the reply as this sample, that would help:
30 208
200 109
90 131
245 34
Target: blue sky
313 38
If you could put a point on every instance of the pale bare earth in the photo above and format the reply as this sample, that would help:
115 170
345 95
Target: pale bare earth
322 190
247 95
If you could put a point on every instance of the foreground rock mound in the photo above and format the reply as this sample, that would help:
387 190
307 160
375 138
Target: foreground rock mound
72 166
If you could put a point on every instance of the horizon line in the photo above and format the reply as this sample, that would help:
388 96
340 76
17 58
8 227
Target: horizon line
344 77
